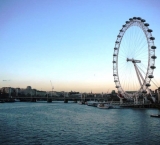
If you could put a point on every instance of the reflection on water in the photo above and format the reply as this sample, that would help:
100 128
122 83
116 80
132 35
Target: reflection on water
70 123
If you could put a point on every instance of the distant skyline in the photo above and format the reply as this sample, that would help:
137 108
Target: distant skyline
69 42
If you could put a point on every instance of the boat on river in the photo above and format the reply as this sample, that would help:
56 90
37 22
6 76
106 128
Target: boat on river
104 106
16 100
155 115
92 103
81 102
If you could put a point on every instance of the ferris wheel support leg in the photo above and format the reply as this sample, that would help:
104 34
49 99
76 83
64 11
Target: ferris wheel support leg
121 100
153 98
144 99
136 69
136 100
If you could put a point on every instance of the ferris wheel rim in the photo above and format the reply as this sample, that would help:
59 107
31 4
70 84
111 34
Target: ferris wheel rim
135 21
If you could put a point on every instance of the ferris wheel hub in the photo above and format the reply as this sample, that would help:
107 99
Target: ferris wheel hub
134 60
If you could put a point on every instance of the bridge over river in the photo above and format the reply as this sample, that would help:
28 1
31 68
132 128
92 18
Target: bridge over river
55 98
97 100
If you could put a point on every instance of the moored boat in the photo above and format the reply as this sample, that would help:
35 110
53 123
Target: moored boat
104 106
155 115
81 102
16 100
92 103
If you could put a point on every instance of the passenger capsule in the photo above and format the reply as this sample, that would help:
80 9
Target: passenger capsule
152 38
152 67
115 81
149 30
119 36
150 76
154 57
146 24
123 25
139 18
130 19
134 18
127 22
117 42
114 61
121 30
143 20
117 86
114 54
115 48
153 47
114 75
148 85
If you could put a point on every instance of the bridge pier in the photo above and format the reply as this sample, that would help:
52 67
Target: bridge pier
83 101
49 100
86 100
33 100
65 100
75 101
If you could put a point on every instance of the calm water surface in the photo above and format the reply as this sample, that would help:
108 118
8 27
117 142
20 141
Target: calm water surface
58 123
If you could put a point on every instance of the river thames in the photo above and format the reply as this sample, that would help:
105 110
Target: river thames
59 123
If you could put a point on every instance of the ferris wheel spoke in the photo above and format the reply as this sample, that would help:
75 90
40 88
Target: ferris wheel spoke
141 55
140 40
122 57
127 47
125 77
124 50
137 50
141 50
142 69
134 39
142 65
135 84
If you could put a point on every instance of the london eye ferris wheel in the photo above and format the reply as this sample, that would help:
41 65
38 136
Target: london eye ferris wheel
134 58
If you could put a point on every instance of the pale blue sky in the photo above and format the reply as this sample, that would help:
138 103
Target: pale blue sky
69 42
